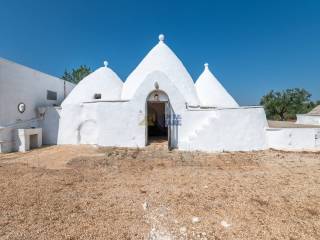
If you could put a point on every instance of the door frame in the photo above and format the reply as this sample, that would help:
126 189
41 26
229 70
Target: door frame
167 107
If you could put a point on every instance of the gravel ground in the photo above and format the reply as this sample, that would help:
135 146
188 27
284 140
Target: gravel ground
84 192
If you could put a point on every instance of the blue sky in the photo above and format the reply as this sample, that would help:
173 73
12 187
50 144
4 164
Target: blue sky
251 46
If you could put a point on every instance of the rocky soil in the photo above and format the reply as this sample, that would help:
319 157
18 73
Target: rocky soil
85 192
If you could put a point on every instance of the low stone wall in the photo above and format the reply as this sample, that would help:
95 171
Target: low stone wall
308 119
296 139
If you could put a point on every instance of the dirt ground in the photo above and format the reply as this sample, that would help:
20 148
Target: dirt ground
85 192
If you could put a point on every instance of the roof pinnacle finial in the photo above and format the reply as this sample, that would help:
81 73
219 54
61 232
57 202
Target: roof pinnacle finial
161 37
105 63
206 66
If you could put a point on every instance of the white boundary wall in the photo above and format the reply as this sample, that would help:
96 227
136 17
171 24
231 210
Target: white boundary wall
297 139
308 119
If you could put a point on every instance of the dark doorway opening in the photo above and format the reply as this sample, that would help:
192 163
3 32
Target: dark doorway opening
33 141
157 127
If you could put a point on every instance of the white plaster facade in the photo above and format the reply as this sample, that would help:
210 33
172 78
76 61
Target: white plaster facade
296 139
218 124
21 84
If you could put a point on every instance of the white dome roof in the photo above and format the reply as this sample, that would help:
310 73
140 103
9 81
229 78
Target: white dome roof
103 81
211 92
161 58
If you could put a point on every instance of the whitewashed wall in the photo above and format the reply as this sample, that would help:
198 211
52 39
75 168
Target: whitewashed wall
102 123
22 84
117 123
123 123
233 129
297 139
308 119
50 125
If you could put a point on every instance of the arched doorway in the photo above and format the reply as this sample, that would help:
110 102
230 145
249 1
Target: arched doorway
158 112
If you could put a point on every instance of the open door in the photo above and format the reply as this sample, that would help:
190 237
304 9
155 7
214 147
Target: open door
157 127
158 118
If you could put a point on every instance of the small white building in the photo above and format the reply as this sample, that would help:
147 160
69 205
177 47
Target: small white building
22 92
159 99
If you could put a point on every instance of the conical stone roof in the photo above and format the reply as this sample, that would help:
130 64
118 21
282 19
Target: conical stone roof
162 58
211 92
103 81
